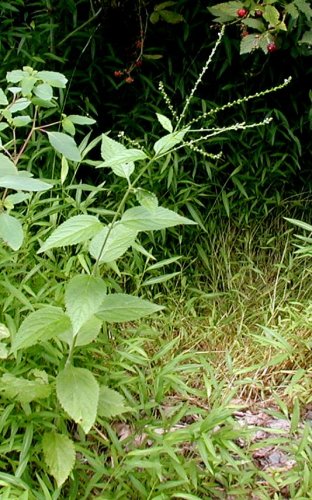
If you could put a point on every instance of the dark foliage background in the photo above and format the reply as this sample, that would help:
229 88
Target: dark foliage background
90 41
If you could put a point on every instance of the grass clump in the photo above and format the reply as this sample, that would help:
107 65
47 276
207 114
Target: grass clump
209 398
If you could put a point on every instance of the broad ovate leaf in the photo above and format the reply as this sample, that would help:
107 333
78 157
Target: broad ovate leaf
64 144
83 297
40 326
120 307
249 43
3 99
112 242
21 121
53 78
165 122
22 389
7 166
11 231
146 198
169 141
19 105
111 403
144 219
59 455
128 155
111 148
115 156
15 76
78 393
22 182
75 230
44 91
86 334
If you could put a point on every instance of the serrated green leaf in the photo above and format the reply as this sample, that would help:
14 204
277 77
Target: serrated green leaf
40 326
306 38
271 15
165 122
59 455
111 148
118 158
143 219
111 403
22 389
249 43
120 307
78 393
292 10
44 91
81 120
53 78
225 11
65 145
86 334
305 7
74 230
111 243
256 24
127 156
169 141
11 231
83 297
146 198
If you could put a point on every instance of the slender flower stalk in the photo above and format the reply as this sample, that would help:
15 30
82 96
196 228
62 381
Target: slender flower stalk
239 101
201 75
167 100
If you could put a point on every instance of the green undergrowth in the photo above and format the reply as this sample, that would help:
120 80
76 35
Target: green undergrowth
235 334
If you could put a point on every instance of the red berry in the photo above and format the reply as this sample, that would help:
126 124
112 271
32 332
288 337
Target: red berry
118 73
244 33
242 12
258 13
138 63
271 47
129 79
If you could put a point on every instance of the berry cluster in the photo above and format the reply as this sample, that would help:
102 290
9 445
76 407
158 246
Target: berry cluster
126 73
136 56
243 13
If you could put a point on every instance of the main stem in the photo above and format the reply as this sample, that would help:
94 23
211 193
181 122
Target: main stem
119 211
